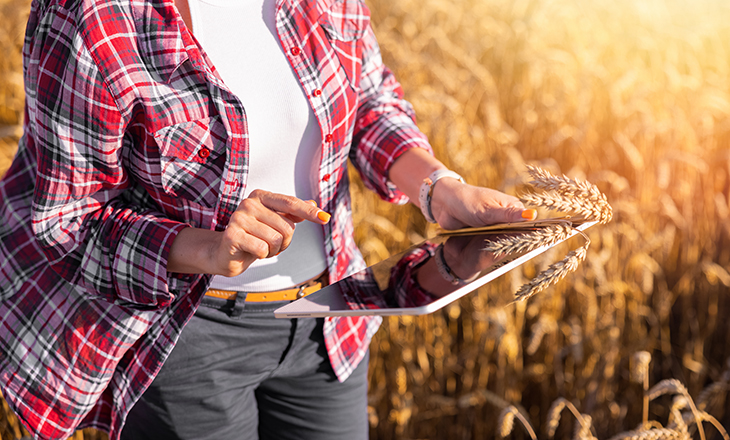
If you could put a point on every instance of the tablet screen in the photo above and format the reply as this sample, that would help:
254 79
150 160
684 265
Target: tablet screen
425 277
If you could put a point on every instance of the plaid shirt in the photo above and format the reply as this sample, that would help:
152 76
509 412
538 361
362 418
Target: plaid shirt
130 136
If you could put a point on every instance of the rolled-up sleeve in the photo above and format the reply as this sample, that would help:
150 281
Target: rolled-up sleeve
385 127
94 234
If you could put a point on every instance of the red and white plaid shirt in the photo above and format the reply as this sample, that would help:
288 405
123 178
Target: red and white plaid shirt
130 136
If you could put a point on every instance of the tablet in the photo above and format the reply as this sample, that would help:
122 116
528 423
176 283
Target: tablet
420 280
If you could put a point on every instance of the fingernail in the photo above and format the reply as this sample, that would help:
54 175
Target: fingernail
325 217
312 202
529 214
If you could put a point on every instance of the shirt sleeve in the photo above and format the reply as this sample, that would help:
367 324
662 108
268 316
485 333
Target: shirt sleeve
407 292
94 230
385 127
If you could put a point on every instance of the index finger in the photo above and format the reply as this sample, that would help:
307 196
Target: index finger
292 207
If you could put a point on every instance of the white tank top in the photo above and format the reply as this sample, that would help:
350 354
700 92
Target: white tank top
240 38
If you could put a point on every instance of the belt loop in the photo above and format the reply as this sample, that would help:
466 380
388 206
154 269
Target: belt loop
237 309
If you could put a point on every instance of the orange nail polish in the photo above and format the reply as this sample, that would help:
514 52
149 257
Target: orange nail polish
312 202
325 217
529 214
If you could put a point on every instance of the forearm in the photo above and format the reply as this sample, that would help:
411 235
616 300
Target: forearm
409 170
453 204
191 251
261 227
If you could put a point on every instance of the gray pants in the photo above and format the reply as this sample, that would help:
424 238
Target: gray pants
247 375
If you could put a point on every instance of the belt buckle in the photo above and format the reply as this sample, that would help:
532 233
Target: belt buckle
300 292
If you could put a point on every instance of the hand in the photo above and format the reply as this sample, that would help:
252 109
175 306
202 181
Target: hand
465 256
454 204
261 227
457 205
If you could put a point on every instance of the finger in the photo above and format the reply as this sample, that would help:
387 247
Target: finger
529 214
493 215
260 240
252 218
292 207
296 219
505 209
240 249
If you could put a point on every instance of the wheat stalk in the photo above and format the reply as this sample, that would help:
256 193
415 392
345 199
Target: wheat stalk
668 386
554 273
640 374
705 417
526 242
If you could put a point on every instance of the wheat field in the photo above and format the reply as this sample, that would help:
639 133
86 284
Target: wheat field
633 96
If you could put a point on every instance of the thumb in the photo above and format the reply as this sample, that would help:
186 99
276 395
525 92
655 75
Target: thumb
511 214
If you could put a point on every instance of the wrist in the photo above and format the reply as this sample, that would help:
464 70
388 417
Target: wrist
445 270
427 192
193 251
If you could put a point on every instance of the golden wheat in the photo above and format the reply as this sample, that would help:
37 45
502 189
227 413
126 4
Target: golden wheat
653 434
554 273
506 422
554 413
631 96
546 236
568 188
577 206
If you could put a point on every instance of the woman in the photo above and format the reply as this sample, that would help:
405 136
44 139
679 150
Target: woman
148 182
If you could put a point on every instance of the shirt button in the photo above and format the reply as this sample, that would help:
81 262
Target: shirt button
204 153
317 93
326 177
328 138
296 51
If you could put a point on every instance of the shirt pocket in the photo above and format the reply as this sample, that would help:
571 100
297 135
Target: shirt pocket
345 24
192 159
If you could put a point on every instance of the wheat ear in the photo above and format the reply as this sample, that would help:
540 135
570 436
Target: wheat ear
652 434
669 386
676 421
573 205
526 242
554 273
568 195
507 421
544 179
556 408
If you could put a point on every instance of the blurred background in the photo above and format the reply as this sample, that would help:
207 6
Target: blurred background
633 96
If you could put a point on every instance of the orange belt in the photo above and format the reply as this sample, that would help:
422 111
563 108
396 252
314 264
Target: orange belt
296 292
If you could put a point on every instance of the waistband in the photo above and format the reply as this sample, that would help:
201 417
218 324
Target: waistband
300 291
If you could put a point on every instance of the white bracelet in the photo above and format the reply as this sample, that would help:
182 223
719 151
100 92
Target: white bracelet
425 194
